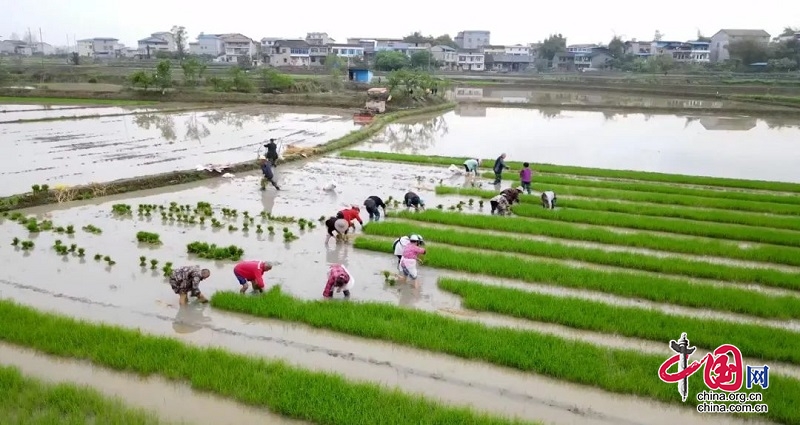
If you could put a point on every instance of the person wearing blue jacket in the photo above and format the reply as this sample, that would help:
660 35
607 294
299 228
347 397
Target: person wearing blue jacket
499 166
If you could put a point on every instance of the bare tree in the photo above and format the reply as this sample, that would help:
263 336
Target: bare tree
658 36
179 34
30 38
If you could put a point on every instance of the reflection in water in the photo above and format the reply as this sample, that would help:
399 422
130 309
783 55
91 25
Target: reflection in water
414 137
268 200
189 318
728 124
163 122
195 130
231 118
337 254
408 295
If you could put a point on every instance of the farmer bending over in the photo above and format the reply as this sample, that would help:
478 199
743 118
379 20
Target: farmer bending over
413 200
471 166
372 204
350 215
266 169
512 194
272 152
185 281
499 204
338 277
251 271
549 199
408 261
338 225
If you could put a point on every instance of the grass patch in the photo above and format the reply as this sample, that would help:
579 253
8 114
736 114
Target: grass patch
660 224
33 402
586 171
283 389
645 197
657 289
674 266
755 341
619 371
70 101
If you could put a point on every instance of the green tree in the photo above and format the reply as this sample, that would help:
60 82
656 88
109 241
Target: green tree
616 47
141 79
445 40
163 75
240 81
5 76
191 68
789 31
748 51
422 59
417 38
391 61
272 80
664 63
333 61
781 65
179 34
551 45
789 49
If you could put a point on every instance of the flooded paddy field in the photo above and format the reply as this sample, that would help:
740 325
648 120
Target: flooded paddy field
748 147
14 113
67 152
128 294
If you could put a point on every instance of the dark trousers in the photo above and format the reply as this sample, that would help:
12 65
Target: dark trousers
374 214
273 160
526 186
498 176
494 205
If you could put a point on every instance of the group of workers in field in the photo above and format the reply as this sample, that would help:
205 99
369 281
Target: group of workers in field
185 281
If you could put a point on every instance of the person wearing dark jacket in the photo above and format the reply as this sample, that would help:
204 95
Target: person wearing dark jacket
372 204
266 169
499 166
413 200
512 194
272 152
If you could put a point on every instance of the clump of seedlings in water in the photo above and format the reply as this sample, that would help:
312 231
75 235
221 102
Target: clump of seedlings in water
15 241
81 252
149 238
471 201
271 230
90 228
245 227
289 236
122 209
73 247
32 226
204 209
27 245
143 261
109 261
167 269
153 264
322 219
215 223
15 216
212 251
440 207
302 223
232 228
480 203
70 230
202 219
259 230
98 257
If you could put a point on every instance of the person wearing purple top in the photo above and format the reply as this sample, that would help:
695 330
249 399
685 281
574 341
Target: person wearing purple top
525 177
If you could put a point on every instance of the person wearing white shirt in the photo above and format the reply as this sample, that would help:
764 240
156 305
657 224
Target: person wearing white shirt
549 199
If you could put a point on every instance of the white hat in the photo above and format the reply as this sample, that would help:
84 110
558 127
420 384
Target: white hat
519 188
415 238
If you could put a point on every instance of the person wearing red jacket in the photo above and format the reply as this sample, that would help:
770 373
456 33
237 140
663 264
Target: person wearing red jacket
351 214
338 277
251 272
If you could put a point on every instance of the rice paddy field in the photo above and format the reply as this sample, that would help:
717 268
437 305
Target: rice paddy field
544 316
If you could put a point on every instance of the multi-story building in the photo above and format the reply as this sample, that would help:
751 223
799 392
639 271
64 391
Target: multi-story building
98 47
15 47
292 53
642 49
319 39
473 39
207 44
692 51
582 56
471 60
158 42
237 47
445 56
719 42
347 51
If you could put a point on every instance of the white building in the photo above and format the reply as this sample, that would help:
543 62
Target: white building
471 60
718 48
473 39
42 48
517 50
207 44
237 46
15 47
158 42
347 51
446 56
99 47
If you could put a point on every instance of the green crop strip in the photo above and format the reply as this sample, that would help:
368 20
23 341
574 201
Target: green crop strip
619 371
555 229
584 171
312 396
32 402
667 225
643 262
657 289
744 212
755 341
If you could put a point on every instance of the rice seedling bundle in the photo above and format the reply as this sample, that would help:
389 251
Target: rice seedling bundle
634 261
668 243
283 389
657 289
620 371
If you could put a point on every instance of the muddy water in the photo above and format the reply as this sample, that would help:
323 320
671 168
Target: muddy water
110 148
737 147
125 294
67 112
171 402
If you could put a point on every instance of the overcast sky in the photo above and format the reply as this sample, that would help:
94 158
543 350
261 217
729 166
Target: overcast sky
511 22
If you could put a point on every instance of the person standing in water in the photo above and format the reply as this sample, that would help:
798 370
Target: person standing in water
272 152
372 204
341 279
185 282
410 257
338 225
525 177
413 200
471 166
499 166
269 176
251 271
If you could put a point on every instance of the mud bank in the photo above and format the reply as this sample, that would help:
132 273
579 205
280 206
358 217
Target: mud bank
122 186
171 402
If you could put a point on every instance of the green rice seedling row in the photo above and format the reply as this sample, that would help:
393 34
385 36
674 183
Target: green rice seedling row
620 371
683 245
657 289
682 212
758 341
283 389
667 225
30 401
586 171
633 261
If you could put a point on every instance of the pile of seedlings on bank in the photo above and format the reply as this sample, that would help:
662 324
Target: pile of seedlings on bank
214 252
148 238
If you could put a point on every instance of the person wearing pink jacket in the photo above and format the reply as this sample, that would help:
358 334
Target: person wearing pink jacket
251 272
341 279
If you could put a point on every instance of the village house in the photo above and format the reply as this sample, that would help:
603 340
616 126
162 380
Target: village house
505 62
98 47
720 41
237 48
445 56
15 47
291 53
207 45
470 60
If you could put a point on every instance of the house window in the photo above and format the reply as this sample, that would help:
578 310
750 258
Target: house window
285 60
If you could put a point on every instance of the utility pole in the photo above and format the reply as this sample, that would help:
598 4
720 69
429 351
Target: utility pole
41 51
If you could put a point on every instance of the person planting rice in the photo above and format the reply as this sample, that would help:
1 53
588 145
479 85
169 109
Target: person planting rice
251 272
499 204
413 200
272 152
400 244
266 169
372 204
512 194
338 225
408 261
338 277
525 177
499 166
350 215
185 281
471 166
549 199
